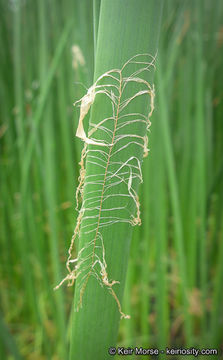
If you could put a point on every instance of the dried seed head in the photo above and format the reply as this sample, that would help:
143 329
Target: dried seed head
116 175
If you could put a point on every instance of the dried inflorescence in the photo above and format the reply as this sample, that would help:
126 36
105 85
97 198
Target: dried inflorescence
78 57
116 174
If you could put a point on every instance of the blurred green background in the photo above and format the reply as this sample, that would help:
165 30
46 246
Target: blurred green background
46 63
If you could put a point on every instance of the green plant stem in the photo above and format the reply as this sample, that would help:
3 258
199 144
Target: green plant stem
98 319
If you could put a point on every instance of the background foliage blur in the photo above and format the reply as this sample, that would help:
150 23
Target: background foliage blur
46 62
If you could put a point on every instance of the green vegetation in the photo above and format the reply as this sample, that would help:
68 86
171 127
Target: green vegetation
51 53
113 171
